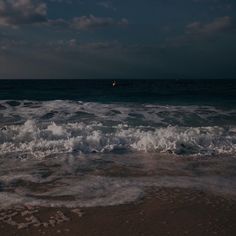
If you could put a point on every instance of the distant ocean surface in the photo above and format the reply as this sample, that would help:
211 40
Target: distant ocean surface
166 92
75 133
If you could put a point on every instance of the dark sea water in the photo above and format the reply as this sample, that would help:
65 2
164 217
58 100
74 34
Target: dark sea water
177 92
86 143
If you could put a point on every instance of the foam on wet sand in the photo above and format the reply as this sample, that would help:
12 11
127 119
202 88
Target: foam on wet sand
164 211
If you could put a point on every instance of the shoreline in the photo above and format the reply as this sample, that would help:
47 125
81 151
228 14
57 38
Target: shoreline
164 211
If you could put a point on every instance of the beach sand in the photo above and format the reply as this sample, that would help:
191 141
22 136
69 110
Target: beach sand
161 212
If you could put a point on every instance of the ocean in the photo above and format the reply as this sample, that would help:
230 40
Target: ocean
86 143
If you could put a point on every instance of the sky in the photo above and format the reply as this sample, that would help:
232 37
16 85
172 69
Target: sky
89 39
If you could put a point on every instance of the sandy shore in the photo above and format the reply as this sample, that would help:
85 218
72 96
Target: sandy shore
162 212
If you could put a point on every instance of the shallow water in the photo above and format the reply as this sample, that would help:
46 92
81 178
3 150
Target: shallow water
109 179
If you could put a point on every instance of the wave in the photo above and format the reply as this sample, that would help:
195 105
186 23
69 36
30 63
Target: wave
41 140
61 111
44 128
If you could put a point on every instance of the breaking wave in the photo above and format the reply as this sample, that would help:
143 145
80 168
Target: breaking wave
40 140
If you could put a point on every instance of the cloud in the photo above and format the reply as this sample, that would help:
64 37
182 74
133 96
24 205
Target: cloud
57 23
21 12
218 25
14 13
93 22
90 22
8 44
61 45
198 31
107 5
104 46
62 1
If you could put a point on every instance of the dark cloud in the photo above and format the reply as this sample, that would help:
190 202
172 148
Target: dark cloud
61 45
218 25
14 13
93 22
57 23
20 12
107 5
198 31
62 1
90 22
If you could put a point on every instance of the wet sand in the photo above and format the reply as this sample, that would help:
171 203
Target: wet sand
161 212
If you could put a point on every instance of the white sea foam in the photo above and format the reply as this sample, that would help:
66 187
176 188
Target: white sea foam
56 130
89 180
40 141
90 191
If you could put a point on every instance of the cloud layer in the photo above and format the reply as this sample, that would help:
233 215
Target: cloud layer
218 25
199 32
14 13
20 12
93 22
